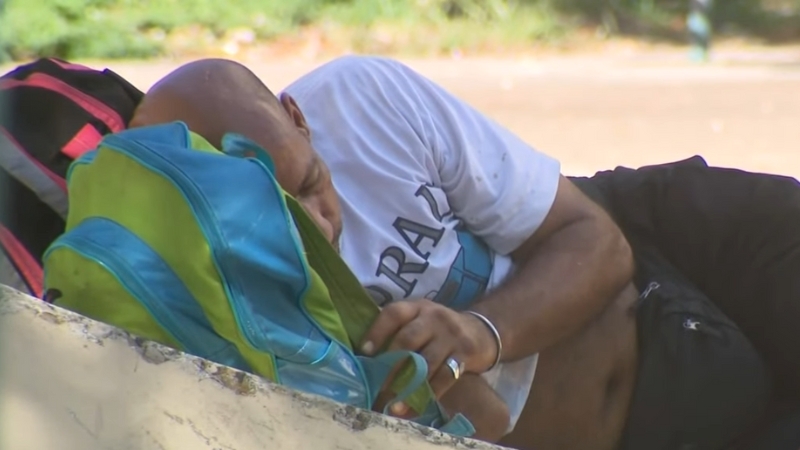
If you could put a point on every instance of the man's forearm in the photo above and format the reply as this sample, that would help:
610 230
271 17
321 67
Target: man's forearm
566 281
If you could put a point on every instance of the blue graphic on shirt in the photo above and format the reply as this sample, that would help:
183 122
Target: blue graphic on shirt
468 277
469 274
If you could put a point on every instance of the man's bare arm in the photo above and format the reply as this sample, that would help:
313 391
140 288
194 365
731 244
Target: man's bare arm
569 270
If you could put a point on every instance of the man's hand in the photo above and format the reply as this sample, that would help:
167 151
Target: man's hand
437 333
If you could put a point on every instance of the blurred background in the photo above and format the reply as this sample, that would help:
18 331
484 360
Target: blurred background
596 83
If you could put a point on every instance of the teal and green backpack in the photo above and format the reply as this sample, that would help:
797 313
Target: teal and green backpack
201 250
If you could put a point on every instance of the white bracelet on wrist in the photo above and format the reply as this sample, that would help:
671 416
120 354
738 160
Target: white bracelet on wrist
496 334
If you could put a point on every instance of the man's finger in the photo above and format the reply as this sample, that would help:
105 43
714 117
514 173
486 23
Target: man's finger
413 336
391 319
435 355
386 395
443 380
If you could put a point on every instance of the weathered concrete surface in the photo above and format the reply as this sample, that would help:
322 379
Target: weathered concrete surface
70 383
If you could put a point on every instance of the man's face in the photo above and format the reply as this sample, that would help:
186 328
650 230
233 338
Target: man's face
303 174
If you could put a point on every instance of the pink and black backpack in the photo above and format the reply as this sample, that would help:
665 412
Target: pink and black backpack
51 112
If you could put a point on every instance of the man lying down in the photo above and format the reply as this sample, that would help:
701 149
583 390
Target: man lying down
515 286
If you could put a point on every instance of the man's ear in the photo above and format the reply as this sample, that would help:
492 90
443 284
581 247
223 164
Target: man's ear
297 117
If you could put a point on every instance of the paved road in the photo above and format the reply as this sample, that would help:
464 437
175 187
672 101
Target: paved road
597 112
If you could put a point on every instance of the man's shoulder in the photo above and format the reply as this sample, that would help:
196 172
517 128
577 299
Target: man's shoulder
360 117
354 74
361 63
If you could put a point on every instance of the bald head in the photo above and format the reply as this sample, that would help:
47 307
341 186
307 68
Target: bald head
214 97
217 96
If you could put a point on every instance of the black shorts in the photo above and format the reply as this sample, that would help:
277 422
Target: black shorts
734 234
701 385
734 238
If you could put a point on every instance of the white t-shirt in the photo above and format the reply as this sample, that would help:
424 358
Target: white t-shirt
434 194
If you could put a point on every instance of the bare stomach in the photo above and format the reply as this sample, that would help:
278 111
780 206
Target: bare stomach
583 386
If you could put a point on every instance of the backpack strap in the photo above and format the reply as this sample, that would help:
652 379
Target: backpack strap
458 425
106 102
355 307
28 269
111 118
57 111
378 368
49 187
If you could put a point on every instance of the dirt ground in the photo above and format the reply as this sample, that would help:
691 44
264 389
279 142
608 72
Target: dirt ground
599 111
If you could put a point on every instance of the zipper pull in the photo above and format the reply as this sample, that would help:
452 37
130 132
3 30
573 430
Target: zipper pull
695 325
650 288
692 325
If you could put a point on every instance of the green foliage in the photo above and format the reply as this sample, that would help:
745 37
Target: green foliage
143 28
134 28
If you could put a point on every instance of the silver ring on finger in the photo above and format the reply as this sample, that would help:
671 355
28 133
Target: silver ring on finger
455 367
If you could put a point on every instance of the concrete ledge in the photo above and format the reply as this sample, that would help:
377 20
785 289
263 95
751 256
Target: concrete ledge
70 383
